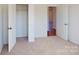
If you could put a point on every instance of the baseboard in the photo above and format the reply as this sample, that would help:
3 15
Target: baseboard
22 37
0 50
74 41
31 40
44 36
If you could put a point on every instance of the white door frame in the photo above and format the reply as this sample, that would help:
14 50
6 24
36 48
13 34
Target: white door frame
31 37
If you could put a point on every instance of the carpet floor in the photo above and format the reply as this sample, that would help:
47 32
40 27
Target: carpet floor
52 45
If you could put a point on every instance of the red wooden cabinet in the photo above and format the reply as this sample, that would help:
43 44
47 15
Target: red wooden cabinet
52 33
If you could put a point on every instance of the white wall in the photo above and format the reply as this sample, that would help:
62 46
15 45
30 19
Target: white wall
5 23
62 19
1 41
74 23
21 20
41 19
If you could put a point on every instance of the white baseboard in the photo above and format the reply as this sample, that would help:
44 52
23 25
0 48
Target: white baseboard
75 41
31 40
0 50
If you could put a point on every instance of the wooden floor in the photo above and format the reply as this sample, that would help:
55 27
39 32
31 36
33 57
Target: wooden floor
51 45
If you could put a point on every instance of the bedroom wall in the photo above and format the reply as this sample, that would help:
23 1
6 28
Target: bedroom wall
5 23
74 23
40 21
1 32
61 20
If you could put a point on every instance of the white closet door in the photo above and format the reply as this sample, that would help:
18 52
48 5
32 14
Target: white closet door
11 26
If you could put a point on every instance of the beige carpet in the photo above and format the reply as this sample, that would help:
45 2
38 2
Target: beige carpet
43 46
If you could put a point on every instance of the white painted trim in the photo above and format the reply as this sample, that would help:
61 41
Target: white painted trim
74 41
0 50
31 23
30 40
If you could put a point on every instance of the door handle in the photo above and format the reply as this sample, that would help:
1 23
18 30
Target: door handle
10 28
65 24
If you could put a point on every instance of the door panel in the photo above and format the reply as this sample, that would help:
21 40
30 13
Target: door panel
11 26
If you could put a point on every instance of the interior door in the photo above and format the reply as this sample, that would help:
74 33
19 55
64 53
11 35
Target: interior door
11 26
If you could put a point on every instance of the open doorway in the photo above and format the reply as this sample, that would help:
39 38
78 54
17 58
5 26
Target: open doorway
51 21
21 22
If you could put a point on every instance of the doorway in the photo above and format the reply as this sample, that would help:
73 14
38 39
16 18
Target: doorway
21 21
51 21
